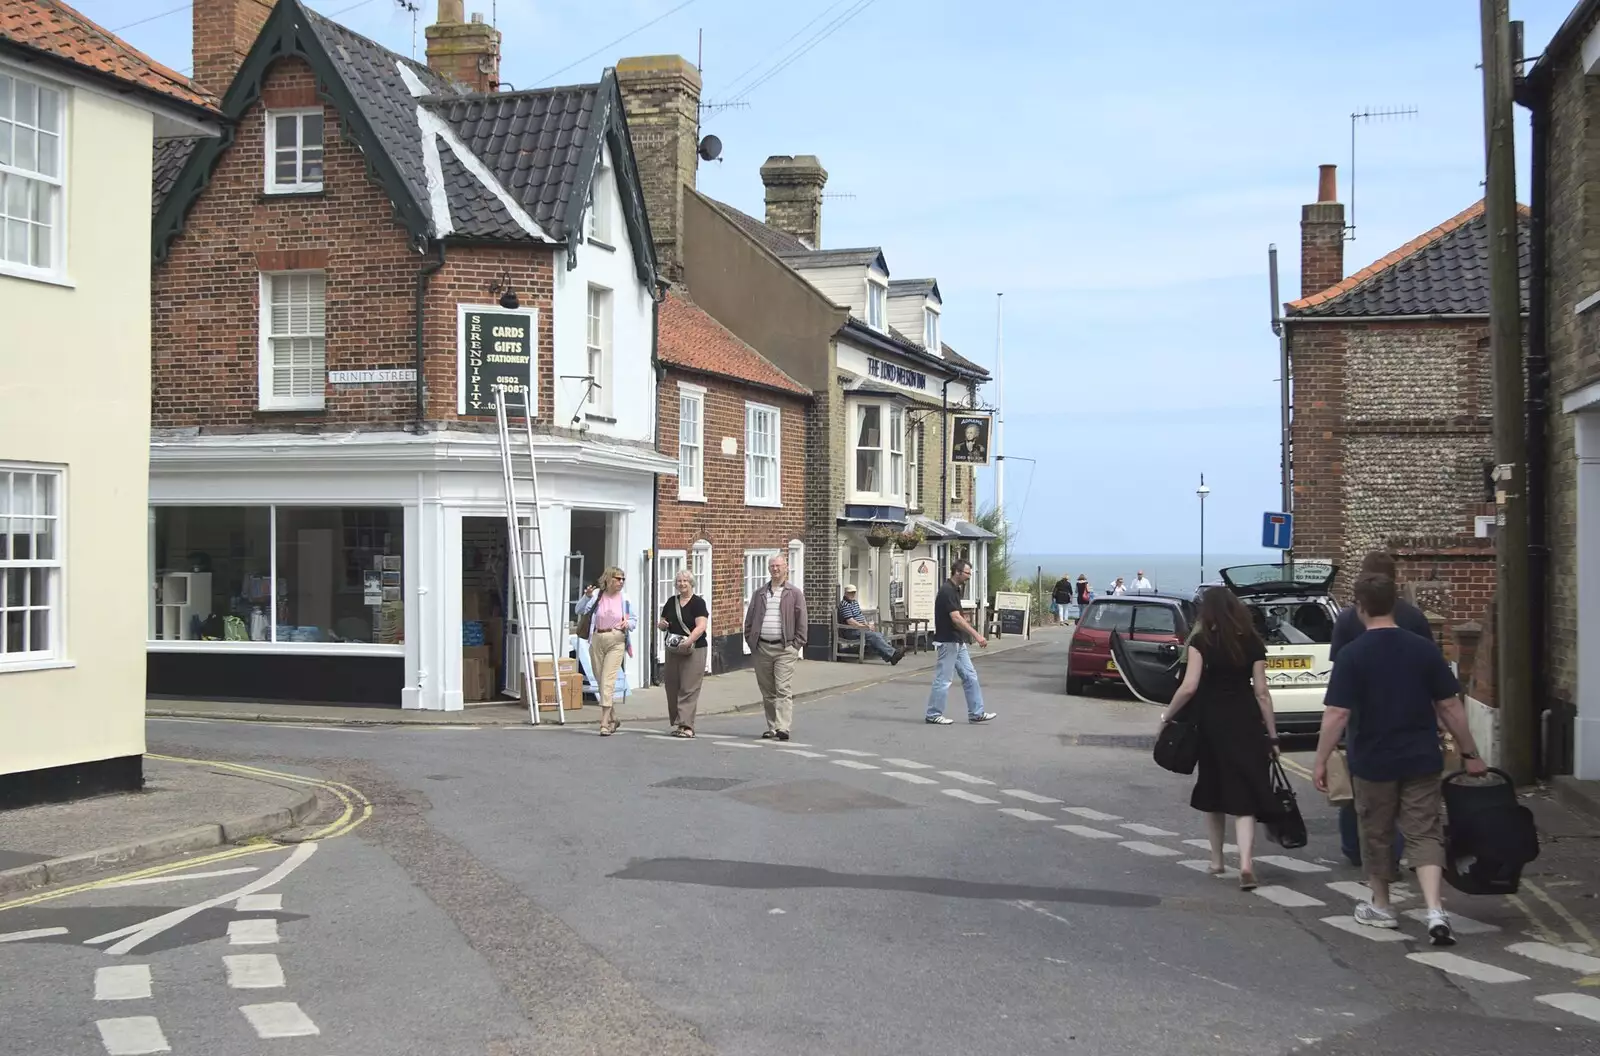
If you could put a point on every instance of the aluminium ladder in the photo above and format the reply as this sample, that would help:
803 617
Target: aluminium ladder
530 589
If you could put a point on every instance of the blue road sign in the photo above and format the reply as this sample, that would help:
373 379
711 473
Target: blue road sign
1277 531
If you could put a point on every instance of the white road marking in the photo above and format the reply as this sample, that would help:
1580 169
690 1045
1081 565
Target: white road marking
1344 922
775 912
133 1036
802 753
852 751
122 982
957 775
1547 954
1294 865
1287 897
791 744
854 764
1145 830
714 736
1461 925
1025 815
145 881
970 797
281 1019
1205 845
1362 893
272 903
1092 815
663 737
1154 850
1467 968
1202 865
146 930
253 971
737 744
1578 1004
253 931
910 779
1089 834
36 933
1026 797
907 764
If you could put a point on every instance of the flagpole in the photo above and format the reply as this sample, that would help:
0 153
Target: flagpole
1000 411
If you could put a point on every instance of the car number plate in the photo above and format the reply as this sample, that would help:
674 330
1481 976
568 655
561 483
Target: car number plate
1111 665
1289 663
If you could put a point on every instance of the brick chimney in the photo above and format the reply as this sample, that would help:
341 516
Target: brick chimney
465 52
1322 236
661 98
224 31
794 195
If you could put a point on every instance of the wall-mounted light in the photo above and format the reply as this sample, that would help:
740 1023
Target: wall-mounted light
508 295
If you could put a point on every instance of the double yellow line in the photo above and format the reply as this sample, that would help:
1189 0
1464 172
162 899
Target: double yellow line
356 808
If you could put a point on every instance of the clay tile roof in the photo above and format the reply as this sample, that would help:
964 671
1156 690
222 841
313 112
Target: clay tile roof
1444 271
57 30
693 340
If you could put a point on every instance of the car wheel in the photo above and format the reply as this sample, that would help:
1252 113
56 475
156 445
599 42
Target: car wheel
1074 686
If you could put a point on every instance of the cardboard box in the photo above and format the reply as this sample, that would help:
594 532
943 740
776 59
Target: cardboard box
471 605
571 693
567 665
477 680
477 652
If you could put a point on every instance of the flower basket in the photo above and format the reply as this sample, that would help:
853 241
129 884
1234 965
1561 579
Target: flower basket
910 540
879 537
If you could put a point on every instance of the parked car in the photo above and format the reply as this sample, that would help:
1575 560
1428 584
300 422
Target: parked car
1151 625
1294 613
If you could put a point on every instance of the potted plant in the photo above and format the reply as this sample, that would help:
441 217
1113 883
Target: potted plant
910 540
880 536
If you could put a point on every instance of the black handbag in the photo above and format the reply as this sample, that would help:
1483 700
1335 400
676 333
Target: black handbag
1178 747
1286 827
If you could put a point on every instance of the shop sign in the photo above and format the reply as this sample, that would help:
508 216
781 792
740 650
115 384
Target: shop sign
495 353
370 377
896 374
922 586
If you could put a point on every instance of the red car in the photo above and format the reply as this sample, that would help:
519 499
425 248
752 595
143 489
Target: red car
1156 625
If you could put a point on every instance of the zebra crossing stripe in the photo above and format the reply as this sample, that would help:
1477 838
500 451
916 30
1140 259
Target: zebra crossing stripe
1294 865
1348 924
1544 953
1578 1004
1287 897
1467 968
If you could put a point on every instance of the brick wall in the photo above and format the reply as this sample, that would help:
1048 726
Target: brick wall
1448 576
723 519
826 438
205 325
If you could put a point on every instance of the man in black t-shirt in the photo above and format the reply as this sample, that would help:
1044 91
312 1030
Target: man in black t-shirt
1392 689
1348 627
951 632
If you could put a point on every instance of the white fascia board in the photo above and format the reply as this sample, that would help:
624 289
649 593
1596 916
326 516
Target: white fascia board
391 450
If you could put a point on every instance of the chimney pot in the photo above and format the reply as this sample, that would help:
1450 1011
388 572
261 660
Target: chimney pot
477 18
1327 183
451 11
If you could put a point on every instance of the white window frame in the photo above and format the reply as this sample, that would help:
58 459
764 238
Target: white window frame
700 568
914 451
754 560
266 400
666 587
55 185
877 305
858 449
753 414
797 563
52 524
930 329
891 490
599 308
692 449
598 223
298 185
895 452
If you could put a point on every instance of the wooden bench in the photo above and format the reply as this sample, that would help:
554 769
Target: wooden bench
850 648
903 632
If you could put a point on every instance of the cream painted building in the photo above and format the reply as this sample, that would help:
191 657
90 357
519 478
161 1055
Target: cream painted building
76 144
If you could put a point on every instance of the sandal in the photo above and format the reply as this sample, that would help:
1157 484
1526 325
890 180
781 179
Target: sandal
1216 870
684 731
1247 880
606 731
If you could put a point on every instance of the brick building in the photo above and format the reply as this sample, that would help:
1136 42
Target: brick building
886 389
736 425
1391 431
342 283
1564 389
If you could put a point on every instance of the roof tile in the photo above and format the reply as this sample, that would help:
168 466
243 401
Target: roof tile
693 340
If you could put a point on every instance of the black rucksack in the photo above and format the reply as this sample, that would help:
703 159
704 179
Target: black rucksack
1490 836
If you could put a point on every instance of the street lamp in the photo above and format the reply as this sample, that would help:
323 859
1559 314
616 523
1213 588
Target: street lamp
1203 492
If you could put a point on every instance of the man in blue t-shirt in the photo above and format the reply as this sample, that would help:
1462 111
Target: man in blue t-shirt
1392 688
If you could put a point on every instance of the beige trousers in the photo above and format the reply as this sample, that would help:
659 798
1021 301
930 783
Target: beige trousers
607 650
682 677
774 670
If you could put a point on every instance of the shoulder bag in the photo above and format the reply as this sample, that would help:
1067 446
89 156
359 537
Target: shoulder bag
1178 746
679 643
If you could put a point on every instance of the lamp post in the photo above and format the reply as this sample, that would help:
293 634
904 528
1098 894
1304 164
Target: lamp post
1203 492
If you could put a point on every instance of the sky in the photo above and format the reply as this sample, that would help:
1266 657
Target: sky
1116 170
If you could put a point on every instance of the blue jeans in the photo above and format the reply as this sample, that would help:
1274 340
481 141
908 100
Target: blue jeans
875 641
951 659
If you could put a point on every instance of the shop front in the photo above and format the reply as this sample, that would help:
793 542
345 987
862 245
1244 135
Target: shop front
368 568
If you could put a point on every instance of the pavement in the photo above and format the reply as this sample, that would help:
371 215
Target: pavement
875 886
183 807
732 691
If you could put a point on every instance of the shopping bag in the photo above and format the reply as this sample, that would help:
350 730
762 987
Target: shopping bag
1178 747
1286 827
1340 790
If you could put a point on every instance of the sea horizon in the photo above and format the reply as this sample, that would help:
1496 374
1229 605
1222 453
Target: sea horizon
1169 573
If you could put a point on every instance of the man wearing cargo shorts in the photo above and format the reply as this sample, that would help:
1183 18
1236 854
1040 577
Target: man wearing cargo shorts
1392 689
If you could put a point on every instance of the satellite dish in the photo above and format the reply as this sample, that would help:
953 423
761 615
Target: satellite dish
711 148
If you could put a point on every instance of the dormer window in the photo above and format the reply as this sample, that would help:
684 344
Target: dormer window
294 151
930 330
877 305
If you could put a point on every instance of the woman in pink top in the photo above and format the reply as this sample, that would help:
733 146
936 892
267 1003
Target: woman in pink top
609 624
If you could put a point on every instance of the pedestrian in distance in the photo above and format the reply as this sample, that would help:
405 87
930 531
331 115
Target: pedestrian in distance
611 623
853 622
1061 597
685 618
775 632
1141 585
1085 592
1225 685
1118 589
951 633
1392 689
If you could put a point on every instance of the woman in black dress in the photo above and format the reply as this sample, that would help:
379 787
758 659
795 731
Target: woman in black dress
1225 685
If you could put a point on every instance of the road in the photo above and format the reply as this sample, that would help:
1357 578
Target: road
876 886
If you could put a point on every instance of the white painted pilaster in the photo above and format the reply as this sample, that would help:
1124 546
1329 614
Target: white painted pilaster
1587 732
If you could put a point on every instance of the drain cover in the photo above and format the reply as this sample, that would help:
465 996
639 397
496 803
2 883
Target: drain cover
700 784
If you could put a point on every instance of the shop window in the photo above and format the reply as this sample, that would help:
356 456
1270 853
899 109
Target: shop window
290 575
31 500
